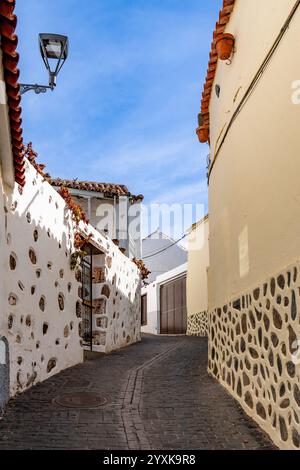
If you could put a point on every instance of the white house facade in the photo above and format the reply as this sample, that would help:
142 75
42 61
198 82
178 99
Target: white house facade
164 303
59 276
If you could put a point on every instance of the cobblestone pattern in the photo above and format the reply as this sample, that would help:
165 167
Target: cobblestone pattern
198 324
159 397
252 352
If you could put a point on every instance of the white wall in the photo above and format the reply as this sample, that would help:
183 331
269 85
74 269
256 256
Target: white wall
36 219
198 263
153 298
254 208
36 234
119 323
173 255
254 187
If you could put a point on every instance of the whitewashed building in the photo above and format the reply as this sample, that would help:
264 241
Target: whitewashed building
164 307
49 301
161 254
111 209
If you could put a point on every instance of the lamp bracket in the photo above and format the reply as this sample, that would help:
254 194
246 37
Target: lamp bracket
36 88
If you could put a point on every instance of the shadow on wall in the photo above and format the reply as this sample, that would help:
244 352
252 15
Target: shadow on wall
114 312
40 290
4 373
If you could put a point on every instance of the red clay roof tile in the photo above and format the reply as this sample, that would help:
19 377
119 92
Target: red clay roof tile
224 17
109 189
9 42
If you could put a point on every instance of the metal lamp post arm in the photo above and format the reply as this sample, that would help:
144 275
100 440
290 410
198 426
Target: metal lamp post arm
36 88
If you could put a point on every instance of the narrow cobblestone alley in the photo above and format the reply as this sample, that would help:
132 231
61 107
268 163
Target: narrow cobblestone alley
157 395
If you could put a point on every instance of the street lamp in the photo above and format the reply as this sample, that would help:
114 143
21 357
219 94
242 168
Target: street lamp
54 49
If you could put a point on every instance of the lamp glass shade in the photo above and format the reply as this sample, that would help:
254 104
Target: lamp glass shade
54 46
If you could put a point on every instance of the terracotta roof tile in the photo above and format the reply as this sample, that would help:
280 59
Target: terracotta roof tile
108 189
224 17
9 42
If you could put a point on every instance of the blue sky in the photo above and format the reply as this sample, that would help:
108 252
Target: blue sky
127 100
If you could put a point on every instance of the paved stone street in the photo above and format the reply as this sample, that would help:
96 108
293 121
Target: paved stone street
159 396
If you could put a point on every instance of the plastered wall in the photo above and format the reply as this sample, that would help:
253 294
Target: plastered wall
38 290
197 290
116 291
41 304
254 210
254 190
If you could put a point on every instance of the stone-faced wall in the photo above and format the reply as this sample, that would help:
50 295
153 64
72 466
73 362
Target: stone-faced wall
39 291
254 353
198 324
116 305
117 299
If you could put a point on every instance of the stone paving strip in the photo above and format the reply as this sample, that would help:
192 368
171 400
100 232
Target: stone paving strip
133 424
154 395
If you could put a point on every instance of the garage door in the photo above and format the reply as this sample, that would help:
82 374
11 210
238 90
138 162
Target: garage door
173 316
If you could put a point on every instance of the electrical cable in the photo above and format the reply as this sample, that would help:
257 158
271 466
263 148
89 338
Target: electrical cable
164 249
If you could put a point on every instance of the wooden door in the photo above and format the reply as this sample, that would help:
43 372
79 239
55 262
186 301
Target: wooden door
144 310
173 310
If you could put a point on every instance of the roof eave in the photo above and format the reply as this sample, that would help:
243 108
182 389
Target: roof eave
224 18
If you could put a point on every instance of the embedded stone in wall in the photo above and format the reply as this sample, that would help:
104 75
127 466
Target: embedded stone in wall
61 301
42 303
32 256
98 275
12 299
102 322
198 324
66 331
99 306
21 286
12 261
10 322
99 339
105 291
51 365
